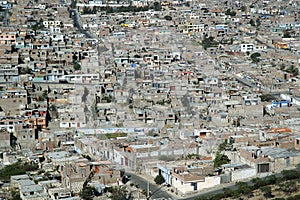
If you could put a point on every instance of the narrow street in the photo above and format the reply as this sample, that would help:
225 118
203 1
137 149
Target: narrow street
156 192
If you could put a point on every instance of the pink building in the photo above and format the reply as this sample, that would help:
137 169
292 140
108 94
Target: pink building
8 38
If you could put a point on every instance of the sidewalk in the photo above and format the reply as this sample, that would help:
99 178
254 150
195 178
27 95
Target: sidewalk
192 195
163 188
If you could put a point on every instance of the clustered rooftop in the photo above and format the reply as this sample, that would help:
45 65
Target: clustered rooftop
154 86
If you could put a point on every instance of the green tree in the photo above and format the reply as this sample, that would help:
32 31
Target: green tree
159 179
73 4
267 97
168 17
286 34
207 42
244 8
17 168
292 70
77 66
13 140
220 159
87 193
157 6
230 12
224 146
255 57
251 22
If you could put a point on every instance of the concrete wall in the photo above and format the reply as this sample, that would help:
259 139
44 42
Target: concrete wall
210 181
280 164
181 186
243 174
188 187
5 140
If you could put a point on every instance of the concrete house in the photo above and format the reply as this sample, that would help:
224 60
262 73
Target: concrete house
269 159
185 181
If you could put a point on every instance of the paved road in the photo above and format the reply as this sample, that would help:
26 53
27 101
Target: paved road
210 192
77 24
157 191
162 194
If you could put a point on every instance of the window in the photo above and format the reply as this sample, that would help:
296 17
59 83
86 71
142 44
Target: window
287 161
262 168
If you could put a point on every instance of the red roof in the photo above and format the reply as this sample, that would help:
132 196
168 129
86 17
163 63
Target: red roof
279 130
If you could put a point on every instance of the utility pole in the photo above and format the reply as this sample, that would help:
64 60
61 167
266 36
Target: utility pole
148 190
152 193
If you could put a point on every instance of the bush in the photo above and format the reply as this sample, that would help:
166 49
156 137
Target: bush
293 70
208 42
290 174
258 183
77 66
267 191
193 156
220 160
243 188
270 180
289 187
159 179
166 158
17 168
255 57
267 97
167 17
87 193
15 195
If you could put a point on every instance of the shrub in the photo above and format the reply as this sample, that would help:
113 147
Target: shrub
17 168
167 17
220 160
255 57
159 179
